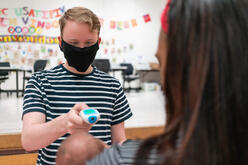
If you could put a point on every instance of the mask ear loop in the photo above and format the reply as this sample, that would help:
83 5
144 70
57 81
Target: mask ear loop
60 40
99 40
60 43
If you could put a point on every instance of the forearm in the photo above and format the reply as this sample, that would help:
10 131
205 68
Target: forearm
118 133
118 140
40 135
37 133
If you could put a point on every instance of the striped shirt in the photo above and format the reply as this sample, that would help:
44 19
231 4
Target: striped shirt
54 92
125 155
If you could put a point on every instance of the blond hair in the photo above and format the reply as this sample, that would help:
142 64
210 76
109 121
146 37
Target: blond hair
80 15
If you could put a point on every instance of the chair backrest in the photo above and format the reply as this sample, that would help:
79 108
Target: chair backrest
129 70
102 64
39 65
4 64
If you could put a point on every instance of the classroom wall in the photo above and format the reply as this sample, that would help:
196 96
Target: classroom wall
124 42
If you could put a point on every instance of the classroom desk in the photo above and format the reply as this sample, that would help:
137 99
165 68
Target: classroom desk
144 71
16 70
116 68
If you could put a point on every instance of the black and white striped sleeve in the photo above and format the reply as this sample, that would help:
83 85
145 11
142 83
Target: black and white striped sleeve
122 109
117 155
33 96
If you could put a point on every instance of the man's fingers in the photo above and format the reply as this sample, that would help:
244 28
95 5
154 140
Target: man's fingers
75 122
74 118
80 106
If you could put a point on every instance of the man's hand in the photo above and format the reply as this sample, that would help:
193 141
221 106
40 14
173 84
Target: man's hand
74 122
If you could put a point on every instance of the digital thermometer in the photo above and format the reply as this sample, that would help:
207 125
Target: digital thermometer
90 116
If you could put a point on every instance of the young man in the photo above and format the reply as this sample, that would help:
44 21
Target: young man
53 98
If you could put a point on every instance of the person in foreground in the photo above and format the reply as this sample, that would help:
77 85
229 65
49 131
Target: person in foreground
205 87
53 98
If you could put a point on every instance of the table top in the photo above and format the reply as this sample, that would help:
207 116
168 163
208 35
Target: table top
141 69
14 69
118 68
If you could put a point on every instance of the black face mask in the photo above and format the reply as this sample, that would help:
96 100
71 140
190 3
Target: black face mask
79 58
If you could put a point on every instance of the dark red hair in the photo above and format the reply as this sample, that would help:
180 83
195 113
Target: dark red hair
164 17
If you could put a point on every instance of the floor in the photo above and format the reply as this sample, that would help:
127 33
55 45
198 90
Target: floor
147 107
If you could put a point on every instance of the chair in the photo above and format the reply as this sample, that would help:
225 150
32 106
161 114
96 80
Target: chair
38 66
129 76
4 75
102 65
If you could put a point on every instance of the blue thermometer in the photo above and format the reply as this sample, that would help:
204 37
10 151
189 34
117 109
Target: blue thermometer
90 116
